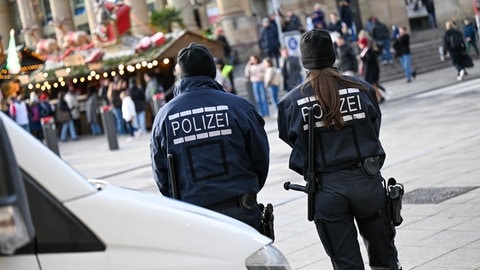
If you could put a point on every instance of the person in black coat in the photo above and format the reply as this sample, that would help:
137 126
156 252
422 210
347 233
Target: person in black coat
403 53
269 40
454 44
346 16
291 69
348 64
138 97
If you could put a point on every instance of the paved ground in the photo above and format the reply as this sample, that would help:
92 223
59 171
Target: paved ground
431 141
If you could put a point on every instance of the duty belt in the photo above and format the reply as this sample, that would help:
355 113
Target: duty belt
247 201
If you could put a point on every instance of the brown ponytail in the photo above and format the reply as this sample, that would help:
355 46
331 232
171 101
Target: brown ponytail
325 84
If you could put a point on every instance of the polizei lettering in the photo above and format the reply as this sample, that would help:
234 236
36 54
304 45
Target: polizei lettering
199 123
350 107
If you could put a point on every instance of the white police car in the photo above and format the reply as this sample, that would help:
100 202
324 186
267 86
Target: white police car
51 217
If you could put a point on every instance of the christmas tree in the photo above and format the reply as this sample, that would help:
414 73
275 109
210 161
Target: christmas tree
13 62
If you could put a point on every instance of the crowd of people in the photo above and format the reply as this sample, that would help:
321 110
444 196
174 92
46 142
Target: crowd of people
272 73
127 98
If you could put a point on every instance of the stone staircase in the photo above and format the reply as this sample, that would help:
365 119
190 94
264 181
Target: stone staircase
424 46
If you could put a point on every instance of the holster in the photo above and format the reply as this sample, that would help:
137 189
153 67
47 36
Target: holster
248 200
395 193
267 220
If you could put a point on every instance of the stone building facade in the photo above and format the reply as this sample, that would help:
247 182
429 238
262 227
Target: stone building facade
235 17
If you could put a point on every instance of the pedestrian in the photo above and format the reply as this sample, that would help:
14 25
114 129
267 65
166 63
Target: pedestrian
138 97
346 134
64 118
227 50
128 112
381 36
292 22
152 88
18 110
454 44
116 87
269 40
103 91
255 73
220 164
368 27
272 80
74 106
369 67
291 69
46 108
432 18
92 110
334 24
34 112
223 80
346 16
403 53
318 17
348 63
470 34
227 71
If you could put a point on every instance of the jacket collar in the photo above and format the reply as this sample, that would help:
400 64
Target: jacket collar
194 83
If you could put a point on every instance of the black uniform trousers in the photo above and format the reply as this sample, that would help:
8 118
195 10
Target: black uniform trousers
347 196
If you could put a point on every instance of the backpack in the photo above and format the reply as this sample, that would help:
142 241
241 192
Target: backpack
46 109
456 40
380 31
35 113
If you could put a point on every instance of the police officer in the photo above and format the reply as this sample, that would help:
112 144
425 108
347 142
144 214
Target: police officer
217 139
348 158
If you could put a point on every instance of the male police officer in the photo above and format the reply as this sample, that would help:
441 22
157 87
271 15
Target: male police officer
218 142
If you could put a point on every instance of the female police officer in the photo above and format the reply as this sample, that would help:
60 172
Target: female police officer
347 124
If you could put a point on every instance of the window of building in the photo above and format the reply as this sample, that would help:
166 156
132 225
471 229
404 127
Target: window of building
79 7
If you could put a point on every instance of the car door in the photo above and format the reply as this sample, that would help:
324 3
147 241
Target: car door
16 227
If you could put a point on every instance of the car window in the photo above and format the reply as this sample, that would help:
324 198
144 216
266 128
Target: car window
57 230
16 229
4 190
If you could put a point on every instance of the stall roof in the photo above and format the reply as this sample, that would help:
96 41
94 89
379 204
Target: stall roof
175 42
184 39
29 61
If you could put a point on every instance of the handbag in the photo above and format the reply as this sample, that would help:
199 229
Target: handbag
62 116
467 61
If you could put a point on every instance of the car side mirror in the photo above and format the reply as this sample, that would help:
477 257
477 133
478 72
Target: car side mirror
16 227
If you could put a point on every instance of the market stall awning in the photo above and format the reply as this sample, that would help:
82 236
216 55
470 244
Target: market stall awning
174 42
184 39
29 62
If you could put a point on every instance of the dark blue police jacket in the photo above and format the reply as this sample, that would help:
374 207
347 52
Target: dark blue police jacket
218 141
335 149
